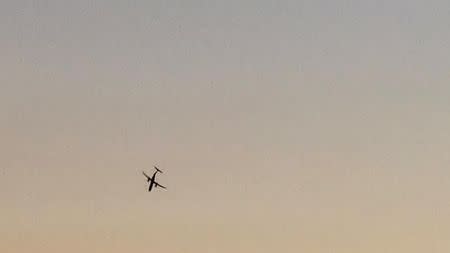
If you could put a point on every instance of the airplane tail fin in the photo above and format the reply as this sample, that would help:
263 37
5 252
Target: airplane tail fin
158 170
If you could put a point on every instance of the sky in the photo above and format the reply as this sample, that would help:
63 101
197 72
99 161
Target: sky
281 126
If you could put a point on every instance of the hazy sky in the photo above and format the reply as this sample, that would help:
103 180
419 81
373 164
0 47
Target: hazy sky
282 126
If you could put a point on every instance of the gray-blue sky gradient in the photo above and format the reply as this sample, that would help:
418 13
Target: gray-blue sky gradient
316 126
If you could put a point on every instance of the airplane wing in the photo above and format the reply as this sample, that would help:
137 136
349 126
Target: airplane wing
148 178
160 185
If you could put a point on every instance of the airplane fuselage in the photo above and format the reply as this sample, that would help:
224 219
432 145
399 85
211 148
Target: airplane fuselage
152 181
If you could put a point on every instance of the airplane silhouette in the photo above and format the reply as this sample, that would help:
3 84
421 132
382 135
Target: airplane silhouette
152 180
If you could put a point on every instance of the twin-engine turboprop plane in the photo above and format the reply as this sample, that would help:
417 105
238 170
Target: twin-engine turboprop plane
152 179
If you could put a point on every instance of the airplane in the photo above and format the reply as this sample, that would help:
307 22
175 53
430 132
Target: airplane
152 181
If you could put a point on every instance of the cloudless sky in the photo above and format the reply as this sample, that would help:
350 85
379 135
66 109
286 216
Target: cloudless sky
281 126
